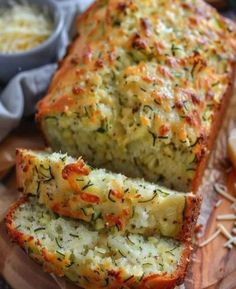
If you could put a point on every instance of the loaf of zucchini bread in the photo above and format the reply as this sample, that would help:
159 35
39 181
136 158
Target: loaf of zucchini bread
143 88
71 188
92 259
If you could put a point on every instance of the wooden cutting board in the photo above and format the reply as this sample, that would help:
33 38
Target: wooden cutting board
213 267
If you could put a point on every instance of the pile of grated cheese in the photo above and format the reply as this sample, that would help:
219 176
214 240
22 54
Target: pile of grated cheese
23 27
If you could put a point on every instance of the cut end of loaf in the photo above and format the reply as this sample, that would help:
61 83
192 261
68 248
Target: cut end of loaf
89 258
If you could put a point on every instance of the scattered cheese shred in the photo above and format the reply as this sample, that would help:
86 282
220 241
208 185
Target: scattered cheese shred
229 243
218 203
211 238
226 217
222 190
225 232
221 229
233 206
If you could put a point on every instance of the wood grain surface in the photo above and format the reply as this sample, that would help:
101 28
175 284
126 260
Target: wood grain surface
213 266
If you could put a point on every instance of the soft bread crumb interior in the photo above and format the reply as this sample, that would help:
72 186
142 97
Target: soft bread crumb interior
88 250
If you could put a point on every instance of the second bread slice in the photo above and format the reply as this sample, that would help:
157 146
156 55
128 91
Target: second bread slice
72 188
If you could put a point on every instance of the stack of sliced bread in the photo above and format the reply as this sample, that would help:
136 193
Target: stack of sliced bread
98 228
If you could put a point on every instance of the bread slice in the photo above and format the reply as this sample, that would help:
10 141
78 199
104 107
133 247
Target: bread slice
143 89
94 259
71 188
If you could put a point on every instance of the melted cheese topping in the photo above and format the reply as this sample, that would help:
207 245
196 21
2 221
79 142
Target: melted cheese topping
23 27
140 87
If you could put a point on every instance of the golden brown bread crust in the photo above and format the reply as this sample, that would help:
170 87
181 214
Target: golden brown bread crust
191 216
216 125
29 243
54 265
192 134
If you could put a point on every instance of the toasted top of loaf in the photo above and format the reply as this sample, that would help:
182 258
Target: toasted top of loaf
140 86
92 259
71 188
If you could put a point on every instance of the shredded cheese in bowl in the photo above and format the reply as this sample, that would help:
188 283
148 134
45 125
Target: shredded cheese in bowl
23 27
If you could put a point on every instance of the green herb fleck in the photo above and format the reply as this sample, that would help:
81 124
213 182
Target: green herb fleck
61 253
101 130
39 229
121 253
89 184
154 137
73 235
109 196
58 244
129 278
149 200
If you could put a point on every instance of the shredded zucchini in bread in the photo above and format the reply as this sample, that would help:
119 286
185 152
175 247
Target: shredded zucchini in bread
94 259
142 89
71 188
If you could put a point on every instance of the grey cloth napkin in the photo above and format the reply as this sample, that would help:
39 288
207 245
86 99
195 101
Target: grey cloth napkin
20 96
